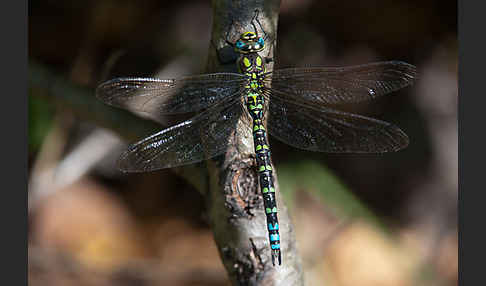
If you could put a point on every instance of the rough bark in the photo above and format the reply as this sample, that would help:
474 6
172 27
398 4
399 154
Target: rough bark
234 201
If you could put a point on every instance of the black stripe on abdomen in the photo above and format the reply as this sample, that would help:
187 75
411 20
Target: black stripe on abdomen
264 166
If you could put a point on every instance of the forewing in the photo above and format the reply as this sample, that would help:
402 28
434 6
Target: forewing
329 130
199 138
157 97
338 85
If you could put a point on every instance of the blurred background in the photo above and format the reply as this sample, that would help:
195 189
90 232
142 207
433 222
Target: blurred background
386 219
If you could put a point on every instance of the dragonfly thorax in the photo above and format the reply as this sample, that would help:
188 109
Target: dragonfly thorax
253 66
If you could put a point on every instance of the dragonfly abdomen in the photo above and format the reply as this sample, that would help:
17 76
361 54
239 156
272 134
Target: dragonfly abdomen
253 66
255 107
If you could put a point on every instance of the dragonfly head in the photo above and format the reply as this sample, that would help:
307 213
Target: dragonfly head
249 42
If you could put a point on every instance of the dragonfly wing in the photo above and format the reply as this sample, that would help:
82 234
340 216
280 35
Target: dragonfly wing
329 130
157 97
338 85
202 137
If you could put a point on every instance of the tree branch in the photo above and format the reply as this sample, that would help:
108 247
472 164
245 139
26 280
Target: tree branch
234 201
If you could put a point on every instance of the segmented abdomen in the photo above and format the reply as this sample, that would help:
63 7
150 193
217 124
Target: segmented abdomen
255 106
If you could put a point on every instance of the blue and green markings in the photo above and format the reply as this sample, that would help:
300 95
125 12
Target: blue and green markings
252 84
252 65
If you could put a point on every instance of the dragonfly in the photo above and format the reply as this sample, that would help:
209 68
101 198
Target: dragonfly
295 105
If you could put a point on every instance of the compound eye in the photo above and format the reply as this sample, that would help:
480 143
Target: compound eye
240 44
261 42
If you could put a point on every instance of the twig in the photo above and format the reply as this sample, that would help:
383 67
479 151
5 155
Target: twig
234 203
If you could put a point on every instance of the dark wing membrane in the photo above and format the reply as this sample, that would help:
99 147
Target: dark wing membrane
338 85
156 97
328 130
199 138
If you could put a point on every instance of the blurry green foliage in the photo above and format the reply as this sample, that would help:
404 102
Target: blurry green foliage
320 182
41 114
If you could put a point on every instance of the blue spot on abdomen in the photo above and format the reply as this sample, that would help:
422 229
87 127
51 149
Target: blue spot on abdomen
270 227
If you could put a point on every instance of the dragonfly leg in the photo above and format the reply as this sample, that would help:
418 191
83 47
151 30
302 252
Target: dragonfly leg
255 19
